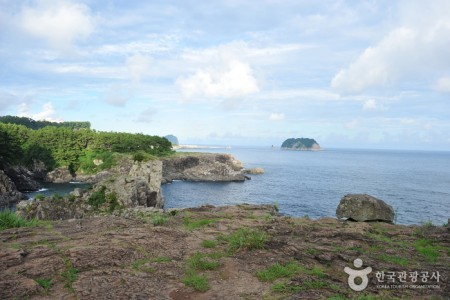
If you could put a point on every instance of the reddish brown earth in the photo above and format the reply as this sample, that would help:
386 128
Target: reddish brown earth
111 257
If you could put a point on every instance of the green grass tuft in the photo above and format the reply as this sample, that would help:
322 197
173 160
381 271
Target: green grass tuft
199 261
198 282
394 259
194 224
9 219
45 283
426 248
279 271
208 243
246 238
159 220
70 276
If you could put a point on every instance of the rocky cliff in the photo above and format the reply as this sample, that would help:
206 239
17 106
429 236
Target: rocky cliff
8 191
202 167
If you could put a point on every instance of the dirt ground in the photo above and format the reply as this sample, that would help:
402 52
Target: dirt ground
199 254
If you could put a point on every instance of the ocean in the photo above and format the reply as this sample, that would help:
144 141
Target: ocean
311 183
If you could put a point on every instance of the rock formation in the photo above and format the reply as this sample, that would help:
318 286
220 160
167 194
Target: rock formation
363 207
139 186
203 167
8 191
254 171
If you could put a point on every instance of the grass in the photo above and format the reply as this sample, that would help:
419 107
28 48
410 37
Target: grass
45 283
209 244
306 285
194 224
9 219
287 270
160 259
198 282
246 238
426 248
159 220
394 259
138 265
70 276
277 270
199 261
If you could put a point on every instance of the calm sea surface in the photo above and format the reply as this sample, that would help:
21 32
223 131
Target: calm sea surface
415 183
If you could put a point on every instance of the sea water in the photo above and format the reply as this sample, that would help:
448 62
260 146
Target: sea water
415 183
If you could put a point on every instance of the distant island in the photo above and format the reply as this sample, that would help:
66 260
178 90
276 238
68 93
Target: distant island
304 144
173 139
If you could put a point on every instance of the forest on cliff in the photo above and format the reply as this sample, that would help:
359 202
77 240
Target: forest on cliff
24 141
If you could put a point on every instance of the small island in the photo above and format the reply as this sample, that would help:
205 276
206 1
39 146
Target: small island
303 144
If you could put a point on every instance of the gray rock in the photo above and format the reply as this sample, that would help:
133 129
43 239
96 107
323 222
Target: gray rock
8 191
203 167
363 207
23 178
140 185
254 171
60 175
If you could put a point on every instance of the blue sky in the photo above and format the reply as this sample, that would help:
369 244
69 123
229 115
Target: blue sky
365 74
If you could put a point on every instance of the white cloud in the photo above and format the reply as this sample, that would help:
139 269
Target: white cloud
352 124
46 114
372 104
58 22
414 49
138 66
443 84
233 80
118 95
146 116
276 117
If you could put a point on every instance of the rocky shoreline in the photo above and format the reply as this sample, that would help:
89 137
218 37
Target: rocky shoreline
135 183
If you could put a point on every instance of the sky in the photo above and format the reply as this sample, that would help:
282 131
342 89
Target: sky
352 74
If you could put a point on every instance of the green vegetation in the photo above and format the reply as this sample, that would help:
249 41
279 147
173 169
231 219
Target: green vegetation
161 259
300 143
194 224
279 271
139 265
45 283
32 124
9 219
209 243
287 270
71 144
246 238
394 259
197 281
200 261
100 198
426 248
69 276
159 219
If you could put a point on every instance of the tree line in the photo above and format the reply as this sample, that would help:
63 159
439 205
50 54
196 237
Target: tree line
70 146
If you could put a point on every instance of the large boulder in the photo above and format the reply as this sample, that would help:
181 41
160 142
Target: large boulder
363 207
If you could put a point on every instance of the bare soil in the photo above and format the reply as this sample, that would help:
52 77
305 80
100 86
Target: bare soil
110 257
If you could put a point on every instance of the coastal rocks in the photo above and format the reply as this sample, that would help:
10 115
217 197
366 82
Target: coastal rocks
254 171
60 175
203 167
23 178
51 209
8 191
363 207
140 186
